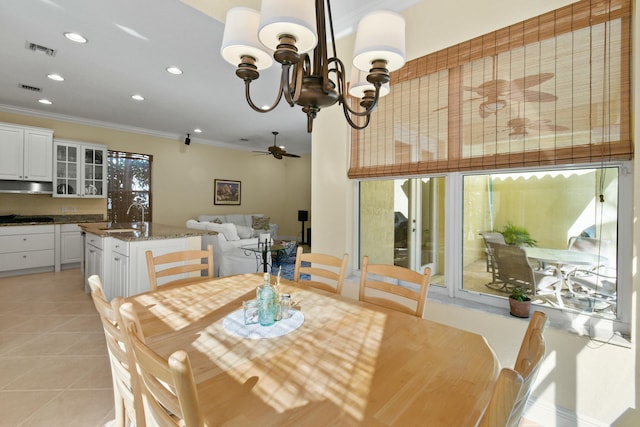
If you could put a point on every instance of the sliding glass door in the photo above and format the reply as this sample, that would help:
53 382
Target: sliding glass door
401 222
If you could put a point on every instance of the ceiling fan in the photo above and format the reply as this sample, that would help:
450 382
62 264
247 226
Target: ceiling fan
275 150
519 126
499 91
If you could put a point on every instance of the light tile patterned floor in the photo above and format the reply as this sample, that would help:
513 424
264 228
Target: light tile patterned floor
54 369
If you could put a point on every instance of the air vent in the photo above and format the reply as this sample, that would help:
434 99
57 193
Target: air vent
40 49
31 88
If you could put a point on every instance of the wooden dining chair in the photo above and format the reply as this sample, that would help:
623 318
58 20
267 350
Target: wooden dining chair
190 261
524 361
168 386
528 362
503 399
327 271
126 389
392 285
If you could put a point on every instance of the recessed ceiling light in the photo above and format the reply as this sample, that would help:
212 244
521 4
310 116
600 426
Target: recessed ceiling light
56 77
137 97
174 70
45 101
75 37
197 130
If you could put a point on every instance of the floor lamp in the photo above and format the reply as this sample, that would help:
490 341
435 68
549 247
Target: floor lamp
303 216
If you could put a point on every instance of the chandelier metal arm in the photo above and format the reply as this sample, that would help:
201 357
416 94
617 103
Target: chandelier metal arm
369 102
352 123
247 92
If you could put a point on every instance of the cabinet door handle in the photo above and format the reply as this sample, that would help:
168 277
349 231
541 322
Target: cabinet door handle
116 259
24 239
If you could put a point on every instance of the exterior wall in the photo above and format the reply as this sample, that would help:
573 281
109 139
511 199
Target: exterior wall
593 383
182 178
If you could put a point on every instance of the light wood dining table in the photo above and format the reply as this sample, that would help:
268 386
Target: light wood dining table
349 364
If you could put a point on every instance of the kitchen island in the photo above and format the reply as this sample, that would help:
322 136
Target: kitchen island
116 252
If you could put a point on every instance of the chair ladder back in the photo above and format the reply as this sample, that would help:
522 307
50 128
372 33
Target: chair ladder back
528 365
398 275
196 265
335 270
127 392
150 367
186 390
503 399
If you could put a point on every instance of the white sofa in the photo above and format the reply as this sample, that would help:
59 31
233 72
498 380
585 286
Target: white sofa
241 220
234 232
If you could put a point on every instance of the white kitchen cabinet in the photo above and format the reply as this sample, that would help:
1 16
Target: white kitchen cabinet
26 247
69 245
26 153
93 256
119 269
80 169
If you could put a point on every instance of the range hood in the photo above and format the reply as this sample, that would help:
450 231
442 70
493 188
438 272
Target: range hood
26 187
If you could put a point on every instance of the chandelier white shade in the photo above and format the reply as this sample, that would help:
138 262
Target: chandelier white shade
296 18
241 38
380 36
358 84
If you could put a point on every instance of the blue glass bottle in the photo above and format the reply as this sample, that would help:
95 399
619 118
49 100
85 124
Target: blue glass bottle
266 303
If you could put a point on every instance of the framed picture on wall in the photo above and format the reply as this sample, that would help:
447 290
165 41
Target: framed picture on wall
226 192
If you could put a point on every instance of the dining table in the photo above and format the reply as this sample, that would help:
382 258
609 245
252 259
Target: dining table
335 362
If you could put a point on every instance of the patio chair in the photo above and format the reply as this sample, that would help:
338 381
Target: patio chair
492 267
514 269
587 245
597 286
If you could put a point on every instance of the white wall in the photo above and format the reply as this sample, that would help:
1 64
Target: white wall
594 383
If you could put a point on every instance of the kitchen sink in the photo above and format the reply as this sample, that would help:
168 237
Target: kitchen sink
119 230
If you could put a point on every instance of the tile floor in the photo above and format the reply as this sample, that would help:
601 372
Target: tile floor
54 369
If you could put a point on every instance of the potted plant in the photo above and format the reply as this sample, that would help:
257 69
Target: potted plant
519 303
517 236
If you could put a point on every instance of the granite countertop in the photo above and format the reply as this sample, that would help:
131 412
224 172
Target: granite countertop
14 219
132 231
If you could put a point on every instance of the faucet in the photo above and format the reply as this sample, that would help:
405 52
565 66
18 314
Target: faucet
139 206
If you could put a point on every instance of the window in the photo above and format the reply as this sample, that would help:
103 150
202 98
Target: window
129 182
404 221
554 208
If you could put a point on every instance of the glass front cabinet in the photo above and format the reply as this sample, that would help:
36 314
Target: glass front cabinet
80 169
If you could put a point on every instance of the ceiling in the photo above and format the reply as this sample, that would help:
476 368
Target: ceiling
130 45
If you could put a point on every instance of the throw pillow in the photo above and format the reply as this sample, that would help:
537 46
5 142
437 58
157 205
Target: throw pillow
260 222
244 232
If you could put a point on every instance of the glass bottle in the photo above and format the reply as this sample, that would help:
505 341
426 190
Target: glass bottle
266 303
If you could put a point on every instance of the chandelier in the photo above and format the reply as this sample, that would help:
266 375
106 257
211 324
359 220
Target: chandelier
294 33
